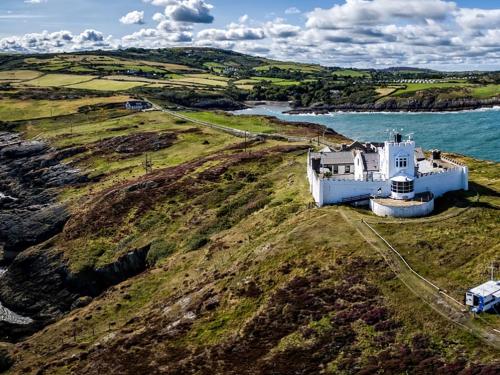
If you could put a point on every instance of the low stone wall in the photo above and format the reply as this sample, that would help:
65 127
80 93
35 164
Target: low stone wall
423 209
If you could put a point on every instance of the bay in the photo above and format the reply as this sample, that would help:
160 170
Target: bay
473 133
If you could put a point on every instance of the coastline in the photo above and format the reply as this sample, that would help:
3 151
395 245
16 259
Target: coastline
330 111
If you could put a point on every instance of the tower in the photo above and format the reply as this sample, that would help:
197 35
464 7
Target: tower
398 165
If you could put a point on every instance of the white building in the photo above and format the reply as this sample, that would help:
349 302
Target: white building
484 297
394 177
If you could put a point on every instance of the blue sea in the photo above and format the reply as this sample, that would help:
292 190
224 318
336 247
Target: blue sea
473 133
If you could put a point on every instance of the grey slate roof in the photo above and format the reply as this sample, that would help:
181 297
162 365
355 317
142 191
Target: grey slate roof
341 157
371 161
419 153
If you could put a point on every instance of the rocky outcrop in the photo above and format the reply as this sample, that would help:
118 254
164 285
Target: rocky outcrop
413 104
52 290
30 173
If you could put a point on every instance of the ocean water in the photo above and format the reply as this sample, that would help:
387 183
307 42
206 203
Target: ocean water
9 316
473 133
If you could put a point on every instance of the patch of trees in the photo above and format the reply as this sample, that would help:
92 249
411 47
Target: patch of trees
327 92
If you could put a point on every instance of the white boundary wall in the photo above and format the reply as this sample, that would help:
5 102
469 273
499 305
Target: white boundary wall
419 210
443 182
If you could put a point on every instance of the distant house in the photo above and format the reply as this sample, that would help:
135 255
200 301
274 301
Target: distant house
137 105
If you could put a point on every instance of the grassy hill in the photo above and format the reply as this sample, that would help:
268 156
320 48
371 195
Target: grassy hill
191 248
239 265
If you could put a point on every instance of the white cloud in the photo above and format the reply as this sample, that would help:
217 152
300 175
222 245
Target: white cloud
292 10
360 33
35 1
191 11
133 18
60 41
371 12
478 18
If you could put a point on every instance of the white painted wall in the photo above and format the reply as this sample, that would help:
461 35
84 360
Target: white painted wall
443 182
420 210
331 191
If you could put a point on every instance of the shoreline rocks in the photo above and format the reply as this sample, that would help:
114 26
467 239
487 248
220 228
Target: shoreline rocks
401 105
30 174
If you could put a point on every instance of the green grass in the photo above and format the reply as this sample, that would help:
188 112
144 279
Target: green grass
18 75
290 66
414 87
351 73
485 92
57 80
252 124
11 110
107 85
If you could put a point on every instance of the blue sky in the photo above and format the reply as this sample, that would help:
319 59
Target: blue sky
437 33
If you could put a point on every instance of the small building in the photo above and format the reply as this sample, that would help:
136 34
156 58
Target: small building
395 178
137 105
484 297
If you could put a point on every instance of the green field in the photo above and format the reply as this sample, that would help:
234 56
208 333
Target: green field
414 87
290 66
107 85
18 75
486 92
350 73
11 110
58 80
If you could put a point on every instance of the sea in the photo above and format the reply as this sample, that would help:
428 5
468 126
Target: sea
9 316
473 133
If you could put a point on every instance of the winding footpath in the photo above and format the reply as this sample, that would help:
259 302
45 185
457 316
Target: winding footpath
431 294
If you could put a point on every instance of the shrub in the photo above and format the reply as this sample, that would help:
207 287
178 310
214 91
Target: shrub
159 249
197 241
6 361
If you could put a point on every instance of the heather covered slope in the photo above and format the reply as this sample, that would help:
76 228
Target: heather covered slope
216 262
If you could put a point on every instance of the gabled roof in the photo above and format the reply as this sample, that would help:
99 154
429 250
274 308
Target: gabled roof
419 153
341 157
371 161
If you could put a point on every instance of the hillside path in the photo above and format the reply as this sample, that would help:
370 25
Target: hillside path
433 296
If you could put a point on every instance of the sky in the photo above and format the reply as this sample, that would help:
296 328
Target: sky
440 34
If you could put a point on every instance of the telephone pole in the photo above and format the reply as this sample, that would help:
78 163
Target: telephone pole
148 164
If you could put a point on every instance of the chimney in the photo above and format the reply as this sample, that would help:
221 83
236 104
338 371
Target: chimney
436 155
398 138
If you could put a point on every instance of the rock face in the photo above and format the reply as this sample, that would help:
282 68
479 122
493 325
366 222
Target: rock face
30 173
413 104
52 289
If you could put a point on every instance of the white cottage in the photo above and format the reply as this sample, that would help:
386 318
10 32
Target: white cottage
394 177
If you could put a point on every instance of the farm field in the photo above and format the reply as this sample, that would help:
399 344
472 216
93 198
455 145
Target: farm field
18 75
57 80
297 67
350 73
94 63
12 110
107 85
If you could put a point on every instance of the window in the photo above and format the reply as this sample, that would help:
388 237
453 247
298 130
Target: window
335 169
402 187
401 162
347 169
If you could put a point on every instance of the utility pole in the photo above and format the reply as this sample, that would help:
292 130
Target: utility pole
148 164
492 268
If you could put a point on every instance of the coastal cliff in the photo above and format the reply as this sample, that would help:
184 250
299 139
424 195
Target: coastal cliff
412 104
